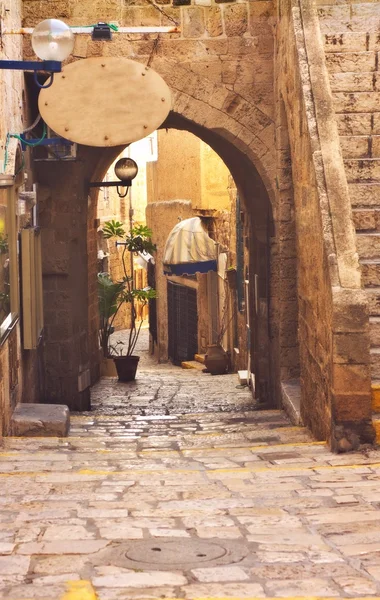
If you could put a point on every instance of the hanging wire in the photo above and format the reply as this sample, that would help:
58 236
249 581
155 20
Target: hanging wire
153 51
161 10
23 141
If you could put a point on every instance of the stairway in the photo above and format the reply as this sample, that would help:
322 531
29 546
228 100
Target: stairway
350 34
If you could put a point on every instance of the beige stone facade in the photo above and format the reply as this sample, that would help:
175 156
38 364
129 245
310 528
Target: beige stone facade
287 95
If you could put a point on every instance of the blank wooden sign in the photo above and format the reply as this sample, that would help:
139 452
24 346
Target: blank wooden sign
105 101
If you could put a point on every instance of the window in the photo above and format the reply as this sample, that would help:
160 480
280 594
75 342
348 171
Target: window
8 261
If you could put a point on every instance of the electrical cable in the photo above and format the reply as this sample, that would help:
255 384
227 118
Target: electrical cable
23 141
111 25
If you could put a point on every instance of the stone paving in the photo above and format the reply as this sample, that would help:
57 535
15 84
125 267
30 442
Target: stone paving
205 498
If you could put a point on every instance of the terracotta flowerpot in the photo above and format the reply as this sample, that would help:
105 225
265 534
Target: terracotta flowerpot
126 367
216 360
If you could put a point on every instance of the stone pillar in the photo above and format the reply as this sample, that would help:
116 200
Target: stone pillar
351 413
63 219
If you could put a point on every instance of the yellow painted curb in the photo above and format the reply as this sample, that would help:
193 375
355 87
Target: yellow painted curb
79 590
164 472
375 393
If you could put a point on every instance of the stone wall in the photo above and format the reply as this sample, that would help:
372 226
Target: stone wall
333 322
18 370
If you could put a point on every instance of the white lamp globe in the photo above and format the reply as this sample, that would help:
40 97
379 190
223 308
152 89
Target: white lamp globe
52 40
126 169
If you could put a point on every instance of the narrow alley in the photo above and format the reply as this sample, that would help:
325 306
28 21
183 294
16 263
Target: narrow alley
174 486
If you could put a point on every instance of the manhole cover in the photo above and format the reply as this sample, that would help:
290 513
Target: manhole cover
179 553
153 552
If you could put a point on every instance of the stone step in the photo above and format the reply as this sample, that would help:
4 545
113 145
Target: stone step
356 102
358 123
373 296
354 82
375 362
200 358
192 364
356 146
360 146
366 219
375 394
363 170
346 41
364 195
40 420
376 424
368 245
370 273
350 62
374 331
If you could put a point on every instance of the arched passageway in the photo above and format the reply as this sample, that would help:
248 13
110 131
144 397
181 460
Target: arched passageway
70 280
256 207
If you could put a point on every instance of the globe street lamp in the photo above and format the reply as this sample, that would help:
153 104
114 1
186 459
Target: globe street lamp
53 42
126 170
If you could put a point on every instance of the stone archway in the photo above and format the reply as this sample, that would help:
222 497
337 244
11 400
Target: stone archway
243 136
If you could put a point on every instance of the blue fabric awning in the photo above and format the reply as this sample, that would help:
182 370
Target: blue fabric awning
189 249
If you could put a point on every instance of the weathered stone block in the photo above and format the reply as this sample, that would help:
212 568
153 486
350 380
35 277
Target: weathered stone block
35 420
353 378
371 273
214 24
350 312
235 19
368 245
375 147
373 296
351 82
355 146
340 62
362 170
365 219
352 406
345 42
193 22
354 123
356 101
351 348
374 331
362 194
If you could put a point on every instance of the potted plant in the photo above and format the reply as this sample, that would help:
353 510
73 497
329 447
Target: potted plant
113 294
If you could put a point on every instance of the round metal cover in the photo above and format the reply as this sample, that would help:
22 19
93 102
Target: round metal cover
105 101
179 553
172 552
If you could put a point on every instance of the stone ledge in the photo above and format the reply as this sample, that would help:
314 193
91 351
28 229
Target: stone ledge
40 420
291 400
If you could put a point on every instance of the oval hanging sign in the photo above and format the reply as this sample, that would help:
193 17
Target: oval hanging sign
105 101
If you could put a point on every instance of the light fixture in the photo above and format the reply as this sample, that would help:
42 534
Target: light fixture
126 170
53 42
101 32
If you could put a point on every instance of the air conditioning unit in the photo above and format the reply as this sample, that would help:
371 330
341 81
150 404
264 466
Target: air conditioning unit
56 148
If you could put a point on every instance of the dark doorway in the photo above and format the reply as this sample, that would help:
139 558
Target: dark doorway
183 322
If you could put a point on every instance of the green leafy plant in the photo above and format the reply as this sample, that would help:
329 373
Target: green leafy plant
3 244
113 294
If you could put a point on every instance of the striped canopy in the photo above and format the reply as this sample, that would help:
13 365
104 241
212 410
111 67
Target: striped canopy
189 249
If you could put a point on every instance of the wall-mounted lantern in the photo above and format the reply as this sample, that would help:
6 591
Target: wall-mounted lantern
53 42
126 170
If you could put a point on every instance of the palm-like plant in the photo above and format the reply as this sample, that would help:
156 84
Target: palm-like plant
113 294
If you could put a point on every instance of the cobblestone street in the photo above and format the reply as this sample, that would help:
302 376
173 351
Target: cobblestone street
175 486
